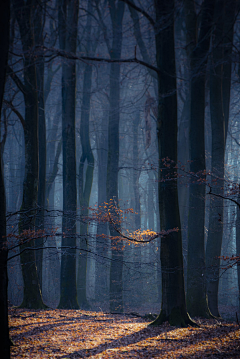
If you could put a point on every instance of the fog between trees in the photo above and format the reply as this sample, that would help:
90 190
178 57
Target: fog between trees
117 105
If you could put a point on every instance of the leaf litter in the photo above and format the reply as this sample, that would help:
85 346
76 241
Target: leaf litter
85 334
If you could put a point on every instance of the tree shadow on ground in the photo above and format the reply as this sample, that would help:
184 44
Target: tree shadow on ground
112 344
190 339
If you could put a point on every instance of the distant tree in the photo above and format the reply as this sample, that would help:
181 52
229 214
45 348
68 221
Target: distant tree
39 22
116 287
86 160
102 243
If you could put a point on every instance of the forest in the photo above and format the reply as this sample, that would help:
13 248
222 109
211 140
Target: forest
119 173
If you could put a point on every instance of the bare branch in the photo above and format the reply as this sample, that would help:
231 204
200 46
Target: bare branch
16 79
144 13
56 52
57 248
104 28
234 138
10 105
139 39
223 197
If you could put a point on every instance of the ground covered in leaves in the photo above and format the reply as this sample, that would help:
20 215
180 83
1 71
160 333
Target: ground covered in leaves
85 334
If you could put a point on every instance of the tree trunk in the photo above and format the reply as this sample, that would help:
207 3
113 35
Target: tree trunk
220 81
51 266
116 286
4 46
32 292
138 282
86 168
173 307
38 32
136 172
68 20
238 244
102 238
4 338
196 276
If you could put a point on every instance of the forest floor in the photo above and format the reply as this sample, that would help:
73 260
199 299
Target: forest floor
85 334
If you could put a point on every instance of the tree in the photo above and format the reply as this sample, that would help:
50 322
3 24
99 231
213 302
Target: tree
220 85
68 20
116 13
87 159
173 307
4 46
24 15
39 21
102 242
198 46
238 243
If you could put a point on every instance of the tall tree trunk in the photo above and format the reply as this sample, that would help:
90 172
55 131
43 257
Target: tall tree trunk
86 168
137 251
4 46
116 286
136 172
173 307
102 241
220 82
32 292
38 32
68 20
183 183
238 243
51 266
150 204
196 276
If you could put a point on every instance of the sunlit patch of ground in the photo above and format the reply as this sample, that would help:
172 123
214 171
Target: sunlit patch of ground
82 334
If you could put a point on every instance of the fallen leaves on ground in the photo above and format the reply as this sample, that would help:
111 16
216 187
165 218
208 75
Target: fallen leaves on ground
85 334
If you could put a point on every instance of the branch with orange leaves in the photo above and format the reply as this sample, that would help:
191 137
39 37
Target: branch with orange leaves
151 235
